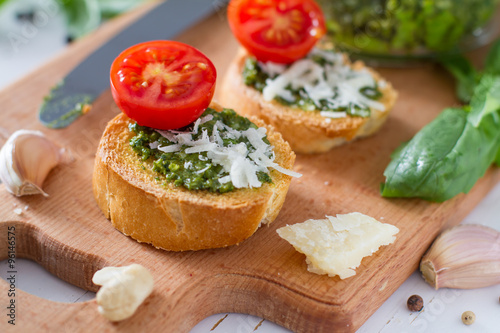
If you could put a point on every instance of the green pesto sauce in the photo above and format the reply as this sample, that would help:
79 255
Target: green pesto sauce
193 171
255 77
60 108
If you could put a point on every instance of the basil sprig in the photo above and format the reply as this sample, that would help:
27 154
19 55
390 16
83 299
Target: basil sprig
451 153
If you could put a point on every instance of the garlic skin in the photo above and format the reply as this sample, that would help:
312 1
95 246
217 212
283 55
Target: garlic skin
123 290
26 159
464 257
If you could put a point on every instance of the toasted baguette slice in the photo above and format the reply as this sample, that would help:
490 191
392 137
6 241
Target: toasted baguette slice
306 132
174 218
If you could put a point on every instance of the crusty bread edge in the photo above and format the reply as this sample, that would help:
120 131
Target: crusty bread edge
176 219
306 132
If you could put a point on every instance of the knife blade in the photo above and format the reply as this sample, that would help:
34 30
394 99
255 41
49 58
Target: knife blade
73 96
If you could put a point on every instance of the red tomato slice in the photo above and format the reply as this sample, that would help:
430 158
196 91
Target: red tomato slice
162 84
276 30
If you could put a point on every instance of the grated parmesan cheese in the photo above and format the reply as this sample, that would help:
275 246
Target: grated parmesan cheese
242 163
170 149
332 114
335 83
225 179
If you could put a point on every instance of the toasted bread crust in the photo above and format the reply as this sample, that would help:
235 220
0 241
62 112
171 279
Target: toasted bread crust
174 218
306 132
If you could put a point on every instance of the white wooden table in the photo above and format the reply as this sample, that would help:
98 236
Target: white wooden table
442 310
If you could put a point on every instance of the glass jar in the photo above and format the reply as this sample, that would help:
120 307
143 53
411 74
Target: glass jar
393 31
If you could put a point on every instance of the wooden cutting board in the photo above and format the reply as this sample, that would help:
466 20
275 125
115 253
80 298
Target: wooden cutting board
263 276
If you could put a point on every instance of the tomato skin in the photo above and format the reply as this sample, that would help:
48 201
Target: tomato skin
162 84
280 31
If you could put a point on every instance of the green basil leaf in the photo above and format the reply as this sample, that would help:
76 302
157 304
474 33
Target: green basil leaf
486 99
465 74
497 158
452 152
82 16
445 158
111 8
410 173
492 64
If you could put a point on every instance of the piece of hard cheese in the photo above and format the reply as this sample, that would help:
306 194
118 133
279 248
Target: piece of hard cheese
336 245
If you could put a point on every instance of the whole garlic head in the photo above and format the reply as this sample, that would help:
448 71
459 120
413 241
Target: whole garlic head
26 159
123 290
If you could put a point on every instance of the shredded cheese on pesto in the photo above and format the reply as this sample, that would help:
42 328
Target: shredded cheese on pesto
247 154
332 85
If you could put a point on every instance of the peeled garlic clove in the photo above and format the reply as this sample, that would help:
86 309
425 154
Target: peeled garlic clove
26 159
464 257
123 290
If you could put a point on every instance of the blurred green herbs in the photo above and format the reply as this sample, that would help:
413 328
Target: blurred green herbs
382 27
82 16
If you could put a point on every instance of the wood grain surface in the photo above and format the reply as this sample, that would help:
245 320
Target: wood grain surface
263 276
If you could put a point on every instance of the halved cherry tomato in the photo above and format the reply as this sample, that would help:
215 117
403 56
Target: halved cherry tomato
162 84
276 30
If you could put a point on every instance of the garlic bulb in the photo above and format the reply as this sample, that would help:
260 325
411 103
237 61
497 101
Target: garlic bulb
123 290
464 257
26 159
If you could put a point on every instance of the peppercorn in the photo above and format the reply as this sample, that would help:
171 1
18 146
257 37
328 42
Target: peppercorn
468 317
415 303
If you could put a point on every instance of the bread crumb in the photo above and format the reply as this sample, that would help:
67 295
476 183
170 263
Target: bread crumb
86 108
383 286
18 211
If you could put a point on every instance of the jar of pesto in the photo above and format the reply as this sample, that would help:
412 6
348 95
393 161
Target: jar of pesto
393 31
